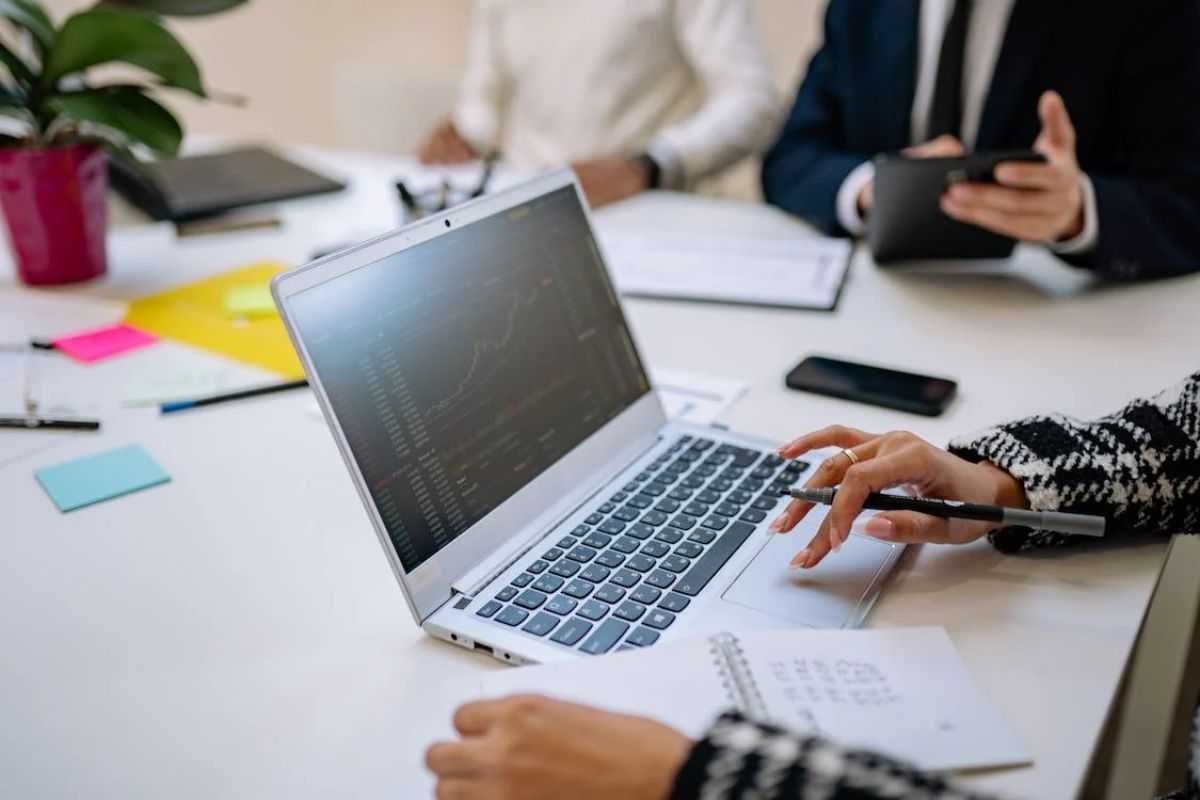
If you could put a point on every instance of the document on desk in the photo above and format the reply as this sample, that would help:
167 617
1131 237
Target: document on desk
694 397
901 692
796 271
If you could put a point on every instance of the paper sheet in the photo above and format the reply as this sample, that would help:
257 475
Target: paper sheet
102 343
86 481
195 315
694 397
800 271
173 383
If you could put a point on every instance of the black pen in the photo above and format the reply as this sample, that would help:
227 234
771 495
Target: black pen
1078 524
183 405
49 424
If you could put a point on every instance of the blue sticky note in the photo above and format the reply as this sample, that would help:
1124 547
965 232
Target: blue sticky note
97 478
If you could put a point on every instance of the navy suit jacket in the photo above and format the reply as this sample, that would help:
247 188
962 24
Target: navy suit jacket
1129 71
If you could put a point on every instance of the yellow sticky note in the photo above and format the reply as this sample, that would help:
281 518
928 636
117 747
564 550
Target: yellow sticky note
195 314
249 301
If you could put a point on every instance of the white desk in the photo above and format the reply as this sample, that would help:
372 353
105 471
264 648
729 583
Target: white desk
237 633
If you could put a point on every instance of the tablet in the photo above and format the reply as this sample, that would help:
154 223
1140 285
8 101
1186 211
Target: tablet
906 221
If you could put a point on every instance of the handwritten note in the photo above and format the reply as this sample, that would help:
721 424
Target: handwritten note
102 343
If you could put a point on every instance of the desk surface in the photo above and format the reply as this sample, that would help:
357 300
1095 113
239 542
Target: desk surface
237 633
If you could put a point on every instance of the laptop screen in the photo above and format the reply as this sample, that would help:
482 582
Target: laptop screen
462 368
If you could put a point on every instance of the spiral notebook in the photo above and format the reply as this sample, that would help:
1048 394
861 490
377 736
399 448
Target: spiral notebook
902 692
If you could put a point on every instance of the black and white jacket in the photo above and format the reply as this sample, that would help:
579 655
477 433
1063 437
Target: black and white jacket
1139 467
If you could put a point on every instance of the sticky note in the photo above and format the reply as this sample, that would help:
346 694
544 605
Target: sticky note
249 301
103 343
97 478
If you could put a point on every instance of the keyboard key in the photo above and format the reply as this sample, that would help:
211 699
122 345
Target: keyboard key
721 485
655 549
625 545
626 514
530 599
548 583
641 563
630 487
630 610
772 460
688 550
612 527
753 515
642 637
610 593
740 496
681 494
762 472
692 482
582 554
641 501
593 610
553 554
561 605
731 474
714 523
684 522
506 594
679 467
676 564
667 505
689 455
625 577
566 543
751 485
695 509
619 497
595 574
746 457
669 535
646 595
577 589
565 568
702 444
580 530
594 519
765 503
538 567
605 637
512 616
640 531
488 609
708 496
543 623
674 602
701 536
599 541
786 478
522 580
708 564
610 559
660 619
571 631
654 518
660 579
727 509
705 470
606 508
642 477
655 489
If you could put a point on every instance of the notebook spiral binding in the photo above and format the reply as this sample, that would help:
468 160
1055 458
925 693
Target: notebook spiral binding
737 676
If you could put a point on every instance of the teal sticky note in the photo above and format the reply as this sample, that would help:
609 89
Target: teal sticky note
97 478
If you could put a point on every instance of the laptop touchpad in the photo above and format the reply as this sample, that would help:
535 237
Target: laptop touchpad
826 596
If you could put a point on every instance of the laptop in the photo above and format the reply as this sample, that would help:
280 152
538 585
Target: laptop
533 500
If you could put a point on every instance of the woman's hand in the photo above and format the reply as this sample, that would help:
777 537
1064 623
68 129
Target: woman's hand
885 462
533 747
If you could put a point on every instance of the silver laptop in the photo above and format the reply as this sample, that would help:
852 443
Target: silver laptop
533 499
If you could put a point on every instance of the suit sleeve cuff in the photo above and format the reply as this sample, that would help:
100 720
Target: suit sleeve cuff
847 198
1085 241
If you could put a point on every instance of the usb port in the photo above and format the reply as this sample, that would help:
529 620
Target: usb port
483 648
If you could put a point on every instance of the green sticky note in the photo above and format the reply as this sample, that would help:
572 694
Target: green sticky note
80 483
249 301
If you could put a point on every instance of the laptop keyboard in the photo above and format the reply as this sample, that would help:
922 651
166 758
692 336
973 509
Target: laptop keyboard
619 579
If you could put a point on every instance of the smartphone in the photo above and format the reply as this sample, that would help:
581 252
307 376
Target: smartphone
904 391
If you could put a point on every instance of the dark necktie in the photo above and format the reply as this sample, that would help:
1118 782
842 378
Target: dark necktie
945 113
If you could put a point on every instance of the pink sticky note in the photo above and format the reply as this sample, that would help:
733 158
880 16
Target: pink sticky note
102 343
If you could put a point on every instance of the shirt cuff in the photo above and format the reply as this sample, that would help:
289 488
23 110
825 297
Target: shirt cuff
847 198
1085 240
670 164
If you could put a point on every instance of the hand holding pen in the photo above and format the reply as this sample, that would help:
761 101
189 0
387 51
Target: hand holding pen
869 464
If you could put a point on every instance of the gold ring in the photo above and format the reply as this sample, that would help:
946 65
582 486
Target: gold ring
850 455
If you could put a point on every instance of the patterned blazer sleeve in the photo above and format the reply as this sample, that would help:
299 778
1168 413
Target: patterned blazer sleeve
1139 467
743 759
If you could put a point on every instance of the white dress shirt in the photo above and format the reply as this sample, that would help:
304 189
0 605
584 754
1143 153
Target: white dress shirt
549 82
985 36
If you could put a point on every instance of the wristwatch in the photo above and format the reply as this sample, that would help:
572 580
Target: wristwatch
652 168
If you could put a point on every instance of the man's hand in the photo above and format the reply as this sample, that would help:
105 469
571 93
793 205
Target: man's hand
941 147
446 146
608 180
1032 202
532 748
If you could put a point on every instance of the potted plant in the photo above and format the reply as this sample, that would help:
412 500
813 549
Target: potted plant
57 124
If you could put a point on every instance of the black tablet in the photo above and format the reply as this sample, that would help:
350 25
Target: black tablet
906 221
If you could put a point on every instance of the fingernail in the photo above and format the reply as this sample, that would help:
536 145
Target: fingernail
777 525
801 559
879 527
835 541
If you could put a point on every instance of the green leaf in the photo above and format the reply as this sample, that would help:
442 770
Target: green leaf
126 110
11 98
178 8
20 71
30 15
106 34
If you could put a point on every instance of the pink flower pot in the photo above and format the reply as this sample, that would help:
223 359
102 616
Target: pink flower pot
54 203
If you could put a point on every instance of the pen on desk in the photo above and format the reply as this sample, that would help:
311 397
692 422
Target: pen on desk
31 423
183 405
1078 524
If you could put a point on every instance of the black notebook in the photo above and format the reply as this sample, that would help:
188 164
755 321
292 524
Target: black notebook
201 186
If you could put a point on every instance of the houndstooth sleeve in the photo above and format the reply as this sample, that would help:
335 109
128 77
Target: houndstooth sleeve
1139 467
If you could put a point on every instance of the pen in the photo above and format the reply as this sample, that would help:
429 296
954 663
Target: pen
183 405
49 423
1079 524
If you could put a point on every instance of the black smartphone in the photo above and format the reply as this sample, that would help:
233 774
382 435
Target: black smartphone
904 391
